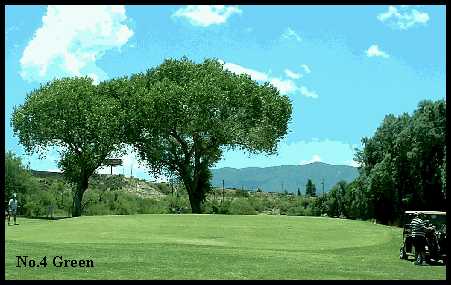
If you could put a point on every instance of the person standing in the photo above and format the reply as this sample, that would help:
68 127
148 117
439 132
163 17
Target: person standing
12 207
419 237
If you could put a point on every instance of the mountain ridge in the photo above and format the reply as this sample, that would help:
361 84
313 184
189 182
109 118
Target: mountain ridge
283 177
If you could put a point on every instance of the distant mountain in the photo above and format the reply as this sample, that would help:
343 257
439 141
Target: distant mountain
290 177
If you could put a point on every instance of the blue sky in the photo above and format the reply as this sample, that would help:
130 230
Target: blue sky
343 67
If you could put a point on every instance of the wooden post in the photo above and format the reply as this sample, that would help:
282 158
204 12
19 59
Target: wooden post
222 191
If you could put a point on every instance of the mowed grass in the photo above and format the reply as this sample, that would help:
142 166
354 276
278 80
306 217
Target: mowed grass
212 247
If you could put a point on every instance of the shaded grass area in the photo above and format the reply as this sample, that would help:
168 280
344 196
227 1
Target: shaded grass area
212 247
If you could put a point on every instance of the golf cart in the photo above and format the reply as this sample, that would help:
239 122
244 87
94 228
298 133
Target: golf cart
435 239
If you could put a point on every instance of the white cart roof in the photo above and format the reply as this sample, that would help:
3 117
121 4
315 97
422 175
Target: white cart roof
427 212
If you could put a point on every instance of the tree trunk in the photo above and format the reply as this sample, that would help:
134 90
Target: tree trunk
76 208
197 185
78 197
195 204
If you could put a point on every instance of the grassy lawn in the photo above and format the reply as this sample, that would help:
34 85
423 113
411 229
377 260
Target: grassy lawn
211 247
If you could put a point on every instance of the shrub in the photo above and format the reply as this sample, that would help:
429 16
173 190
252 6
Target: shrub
97 209
257 203
241 206
152 206
224 207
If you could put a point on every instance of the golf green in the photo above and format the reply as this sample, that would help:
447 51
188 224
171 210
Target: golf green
207 247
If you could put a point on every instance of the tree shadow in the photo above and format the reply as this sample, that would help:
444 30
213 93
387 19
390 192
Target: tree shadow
49 218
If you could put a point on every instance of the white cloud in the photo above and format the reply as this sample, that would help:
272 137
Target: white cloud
206 15
308 93
292 74
374 51
238 69
284 86
315 158
289 33
306 68
352 163
404 18
71 39
95 78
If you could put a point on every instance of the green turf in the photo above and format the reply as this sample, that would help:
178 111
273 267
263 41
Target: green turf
212 247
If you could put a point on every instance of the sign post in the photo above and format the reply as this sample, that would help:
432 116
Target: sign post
112 162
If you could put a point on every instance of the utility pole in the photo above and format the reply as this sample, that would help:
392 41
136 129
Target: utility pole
222 191
131 170
172 188
323 185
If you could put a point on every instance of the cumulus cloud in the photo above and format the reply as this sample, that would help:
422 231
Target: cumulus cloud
306 68
289 33
374 51
308 93
403 18
292 74
206 15
71 40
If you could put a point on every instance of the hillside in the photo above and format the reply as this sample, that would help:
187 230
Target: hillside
270 179
135 186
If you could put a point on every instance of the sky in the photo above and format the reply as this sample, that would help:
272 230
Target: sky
343 67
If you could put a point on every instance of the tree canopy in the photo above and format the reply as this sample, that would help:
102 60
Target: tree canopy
186 114
403 164
78 118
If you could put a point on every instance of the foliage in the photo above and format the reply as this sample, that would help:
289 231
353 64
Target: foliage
310 188
241 207
402 164
17 180
74 116
185 114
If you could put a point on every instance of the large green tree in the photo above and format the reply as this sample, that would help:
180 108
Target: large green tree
403 164
81 119
186 114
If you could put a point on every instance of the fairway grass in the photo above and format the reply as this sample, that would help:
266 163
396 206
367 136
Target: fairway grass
193 246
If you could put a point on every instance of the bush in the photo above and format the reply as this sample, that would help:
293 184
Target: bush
224 207
152 206
97 209
211 207
125 204
241 206
257 203
296 210
37 203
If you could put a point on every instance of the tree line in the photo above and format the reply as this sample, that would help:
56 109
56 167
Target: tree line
402 167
